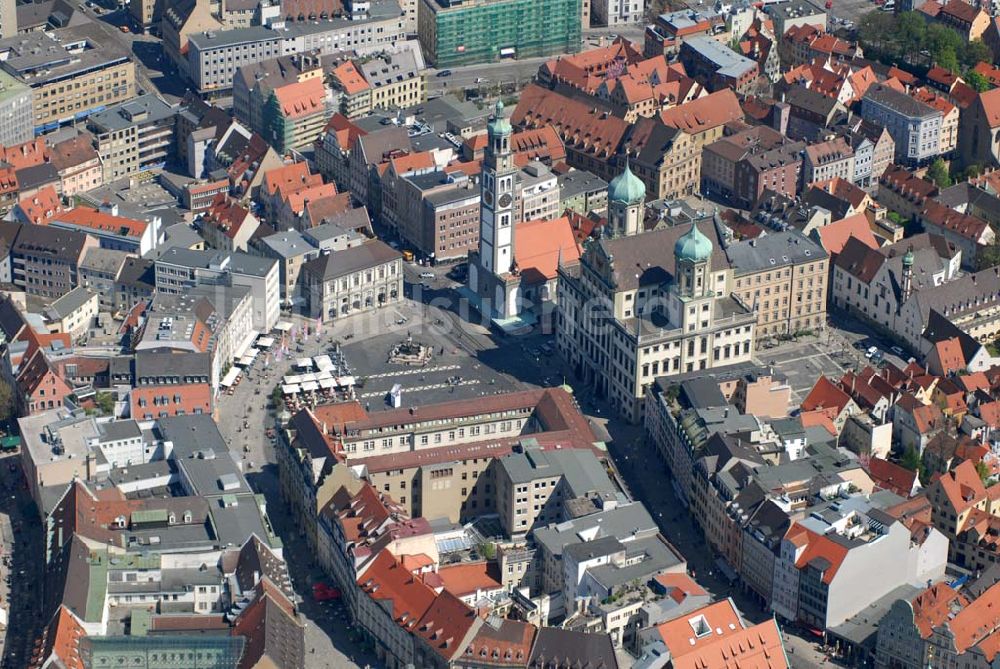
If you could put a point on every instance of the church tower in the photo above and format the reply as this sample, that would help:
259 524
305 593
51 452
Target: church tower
496 220
626 195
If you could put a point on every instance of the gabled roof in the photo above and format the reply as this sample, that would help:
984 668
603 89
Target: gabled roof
302 98
542 245
949 353
704 113
448 625
859 260
834 237
350 79
826 395
274 634
59 643
502 642
890 476
962 486
821 552
978 620
405 597
756 647
934 605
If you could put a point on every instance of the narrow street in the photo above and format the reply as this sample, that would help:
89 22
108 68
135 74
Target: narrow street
22 566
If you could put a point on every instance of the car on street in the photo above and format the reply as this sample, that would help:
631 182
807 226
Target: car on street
871 352
427 275
444 73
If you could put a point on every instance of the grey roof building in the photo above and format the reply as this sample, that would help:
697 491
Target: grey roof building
773 251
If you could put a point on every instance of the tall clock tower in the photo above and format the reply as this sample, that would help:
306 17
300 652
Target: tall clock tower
493 274
496 220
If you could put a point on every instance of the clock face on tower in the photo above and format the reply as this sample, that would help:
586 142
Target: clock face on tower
504 200
488 198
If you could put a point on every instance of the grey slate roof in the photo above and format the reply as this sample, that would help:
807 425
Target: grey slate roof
580 469
69 302
624 522
776 249
339 263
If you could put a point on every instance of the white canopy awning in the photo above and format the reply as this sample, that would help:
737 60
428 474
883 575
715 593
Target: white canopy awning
246 360
245 343
290 388
307 377
345 381
304 363
323 362
283 326
327 383
292 378
265 342
310 385
323 375
230 377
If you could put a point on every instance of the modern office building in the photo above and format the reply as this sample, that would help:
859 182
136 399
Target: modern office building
72 72
16 122
458 32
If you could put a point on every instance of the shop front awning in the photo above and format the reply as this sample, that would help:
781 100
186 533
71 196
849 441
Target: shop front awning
230 377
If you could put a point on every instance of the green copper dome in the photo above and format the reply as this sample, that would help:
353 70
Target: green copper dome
627 188
908 258
693 246
499 125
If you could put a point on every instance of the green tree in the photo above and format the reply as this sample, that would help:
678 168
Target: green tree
975 52
938 173
910 33
989 256
875 32
912 461
105 402
970 172
977 82
983 470
6 401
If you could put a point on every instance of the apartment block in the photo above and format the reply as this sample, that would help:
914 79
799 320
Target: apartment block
133 136
915 126
450 32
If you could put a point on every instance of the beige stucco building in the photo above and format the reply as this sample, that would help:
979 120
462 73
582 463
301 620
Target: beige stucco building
783 276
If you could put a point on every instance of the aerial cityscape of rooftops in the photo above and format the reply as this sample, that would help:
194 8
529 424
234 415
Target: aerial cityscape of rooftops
499 334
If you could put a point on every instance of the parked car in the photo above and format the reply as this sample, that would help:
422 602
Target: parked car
871 352
427 275
444 73
898 350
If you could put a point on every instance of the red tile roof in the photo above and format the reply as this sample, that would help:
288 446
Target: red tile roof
541 245
468 578
41 207
588 129
962 486
826 395
350 79
679 635
890 476
950 355
60 639
87 217
834 237
502 642
978 620
302 98
704 113
991 105
822 552
405 596
990 413
934 605
757 647
991 72
447 626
